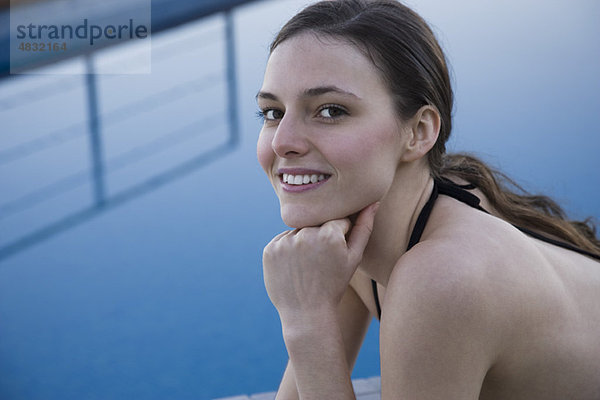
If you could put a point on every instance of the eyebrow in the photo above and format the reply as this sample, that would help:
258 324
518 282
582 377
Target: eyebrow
312 92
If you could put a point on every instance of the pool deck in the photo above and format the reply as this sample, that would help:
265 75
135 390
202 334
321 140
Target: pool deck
365 389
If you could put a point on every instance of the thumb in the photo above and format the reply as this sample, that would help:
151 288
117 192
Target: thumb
361 231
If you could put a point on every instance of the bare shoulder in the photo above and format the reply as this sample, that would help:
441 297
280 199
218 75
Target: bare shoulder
477 302
447 282
463 258
457 297
441 328
474 268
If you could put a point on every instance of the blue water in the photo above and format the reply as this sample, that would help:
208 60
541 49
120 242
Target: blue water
162 297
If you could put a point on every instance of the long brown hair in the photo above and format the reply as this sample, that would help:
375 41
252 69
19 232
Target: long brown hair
411 62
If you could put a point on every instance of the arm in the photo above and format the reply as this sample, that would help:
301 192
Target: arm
307 274
444 333
354 319
316 349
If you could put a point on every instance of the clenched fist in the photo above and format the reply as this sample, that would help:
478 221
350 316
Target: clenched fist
309 269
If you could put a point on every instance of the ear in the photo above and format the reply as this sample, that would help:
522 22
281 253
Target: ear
424 131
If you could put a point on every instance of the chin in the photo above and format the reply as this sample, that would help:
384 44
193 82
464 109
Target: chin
301 220
301 216
304 216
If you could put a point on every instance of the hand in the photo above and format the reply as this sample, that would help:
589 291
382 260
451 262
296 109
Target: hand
309 269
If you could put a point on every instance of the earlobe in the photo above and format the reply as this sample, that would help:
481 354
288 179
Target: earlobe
425 129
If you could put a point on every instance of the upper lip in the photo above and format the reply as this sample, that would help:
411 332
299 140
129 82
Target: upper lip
300 171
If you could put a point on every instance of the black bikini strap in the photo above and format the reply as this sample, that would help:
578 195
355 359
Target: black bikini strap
459 192
376 296
449 188
415 236
417 231
558 243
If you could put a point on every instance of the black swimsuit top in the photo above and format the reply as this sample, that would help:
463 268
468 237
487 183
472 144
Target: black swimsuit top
459 192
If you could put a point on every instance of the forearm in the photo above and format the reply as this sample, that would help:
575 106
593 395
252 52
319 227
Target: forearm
287 388
317 356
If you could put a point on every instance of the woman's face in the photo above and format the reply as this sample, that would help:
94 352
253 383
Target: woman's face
331 140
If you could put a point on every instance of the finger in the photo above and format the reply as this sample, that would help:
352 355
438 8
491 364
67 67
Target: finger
282 234
340 225
361 231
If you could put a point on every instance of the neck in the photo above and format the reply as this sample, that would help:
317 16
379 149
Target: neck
395 220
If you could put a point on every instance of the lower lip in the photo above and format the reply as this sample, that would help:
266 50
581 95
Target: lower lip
301 188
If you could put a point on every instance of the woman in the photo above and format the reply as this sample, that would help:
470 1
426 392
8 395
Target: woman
357 105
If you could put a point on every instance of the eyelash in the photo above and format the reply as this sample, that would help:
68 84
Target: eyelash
335 107
261 114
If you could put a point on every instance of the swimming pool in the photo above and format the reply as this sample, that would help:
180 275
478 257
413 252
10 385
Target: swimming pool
162 297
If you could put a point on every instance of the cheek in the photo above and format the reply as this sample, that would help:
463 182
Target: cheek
264 151
374 161
367 164
373 154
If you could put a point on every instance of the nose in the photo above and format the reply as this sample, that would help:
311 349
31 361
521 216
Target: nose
290 140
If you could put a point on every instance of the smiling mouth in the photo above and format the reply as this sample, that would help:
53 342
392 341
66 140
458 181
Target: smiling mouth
305 179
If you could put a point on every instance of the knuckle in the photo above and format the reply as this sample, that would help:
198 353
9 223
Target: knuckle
268 249
267 252
325 236
331 236
274 246
305 236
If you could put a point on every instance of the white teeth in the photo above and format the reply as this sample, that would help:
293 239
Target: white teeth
302 179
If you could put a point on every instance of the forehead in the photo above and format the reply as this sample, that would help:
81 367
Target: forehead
306 60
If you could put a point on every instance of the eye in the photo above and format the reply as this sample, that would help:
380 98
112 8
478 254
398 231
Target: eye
270 114
331 111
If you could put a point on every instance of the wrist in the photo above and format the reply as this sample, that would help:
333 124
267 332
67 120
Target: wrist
316 349
300 326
